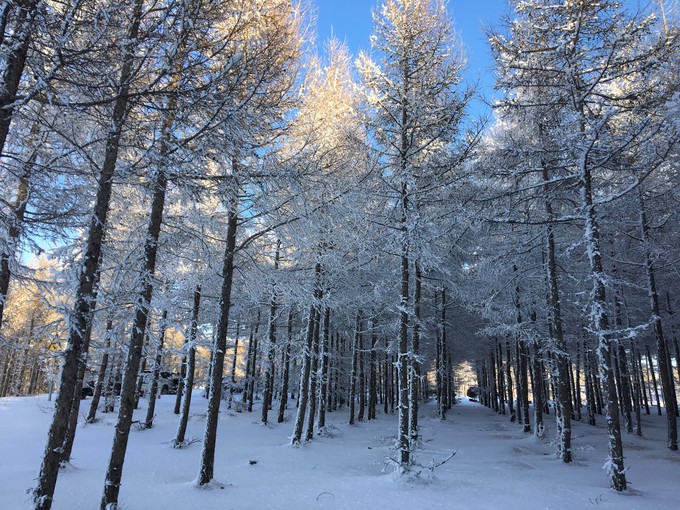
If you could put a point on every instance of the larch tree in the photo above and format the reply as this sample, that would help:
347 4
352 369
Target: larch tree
267 45
414 109
573 58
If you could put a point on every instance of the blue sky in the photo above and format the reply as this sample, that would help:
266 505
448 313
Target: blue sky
350 21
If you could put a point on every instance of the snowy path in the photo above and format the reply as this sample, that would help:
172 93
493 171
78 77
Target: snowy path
496 465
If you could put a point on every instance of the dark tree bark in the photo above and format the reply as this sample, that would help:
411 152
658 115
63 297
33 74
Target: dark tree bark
442 369
539 428
249 366
271 352
142 374
112 379
17 214
600 325
508 375
83 301
127 395
590 391
325 356
674 334
518 381
206 471
75 407
642 383
373 375
314 376
253 364
524 386
353 373
667 384
234 359
563 400
652 373
577 381
143 308
414 362
188 386
637 390
158 361
387 369
67 449
15 60
283 402
625 387
501 378
303 390
362 378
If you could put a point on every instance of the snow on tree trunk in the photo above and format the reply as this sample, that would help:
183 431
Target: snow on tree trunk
82 310
271 352
189 372
667 384
599 324
286 370
157 365
207 466
303 390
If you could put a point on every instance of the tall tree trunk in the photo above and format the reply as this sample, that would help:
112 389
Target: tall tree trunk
652 373
667 384
600 326
353 373
17 214
493 376
387 370
674 335
625 387
314 375
508 375
15 62
234 359
127 396
252 386
158 361
362 378
403 351
442 370
303 390
501 378
325 355
577 383
563 402
271 352
207 468
524 385
188 386
283 402
414 363
637 391
373 375
643 384
539 428
590 390
83 299
518 380
67 449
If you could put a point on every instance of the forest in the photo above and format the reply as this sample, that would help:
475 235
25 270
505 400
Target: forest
198 198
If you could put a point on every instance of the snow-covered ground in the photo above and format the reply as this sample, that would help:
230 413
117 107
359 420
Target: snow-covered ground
496 466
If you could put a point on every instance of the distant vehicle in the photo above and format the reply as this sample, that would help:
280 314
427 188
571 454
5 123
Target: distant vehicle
473 392
87 390
168 382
